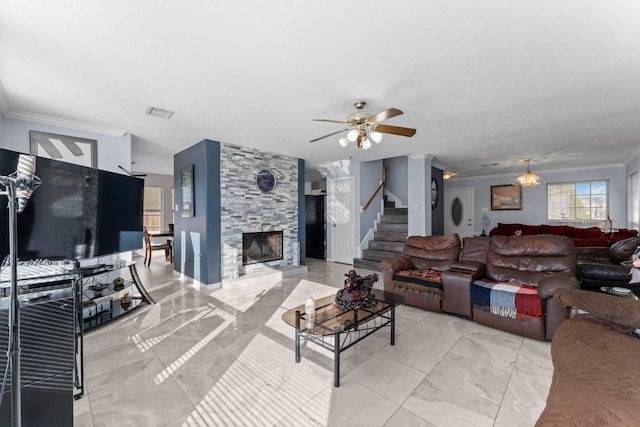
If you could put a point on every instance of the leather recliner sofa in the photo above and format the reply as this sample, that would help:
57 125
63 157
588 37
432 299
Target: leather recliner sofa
599 267
532 265
416 274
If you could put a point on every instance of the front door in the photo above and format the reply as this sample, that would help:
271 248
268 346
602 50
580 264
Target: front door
458 211
341 220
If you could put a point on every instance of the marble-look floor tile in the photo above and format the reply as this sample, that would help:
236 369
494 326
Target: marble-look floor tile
450 406
392 379
526 395
202 357
257 402
486 352
349 405
422 347
405 418
151 407
462 373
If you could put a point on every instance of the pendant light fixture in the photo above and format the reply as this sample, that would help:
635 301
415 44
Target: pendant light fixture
528 179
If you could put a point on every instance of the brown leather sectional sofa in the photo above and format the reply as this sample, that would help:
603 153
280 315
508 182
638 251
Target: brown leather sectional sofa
603 266
502 281
596 363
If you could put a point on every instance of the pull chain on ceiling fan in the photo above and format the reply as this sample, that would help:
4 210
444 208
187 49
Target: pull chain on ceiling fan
364 127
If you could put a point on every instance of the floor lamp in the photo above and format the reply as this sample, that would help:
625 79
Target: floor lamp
19 186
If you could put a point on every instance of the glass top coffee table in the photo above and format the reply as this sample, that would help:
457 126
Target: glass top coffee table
337 330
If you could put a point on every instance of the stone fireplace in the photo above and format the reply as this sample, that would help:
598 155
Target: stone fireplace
262 246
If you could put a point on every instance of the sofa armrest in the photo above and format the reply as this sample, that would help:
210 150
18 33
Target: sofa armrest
398 263
547 285
608 308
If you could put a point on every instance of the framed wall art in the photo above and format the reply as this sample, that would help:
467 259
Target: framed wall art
506 197
186 179
71 149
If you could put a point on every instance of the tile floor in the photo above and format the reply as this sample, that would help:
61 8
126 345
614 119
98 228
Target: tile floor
225 358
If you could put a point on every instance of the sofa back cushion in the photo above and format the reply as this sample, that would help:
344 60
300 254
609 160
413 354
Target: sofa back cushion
475 249
436 252
528 259
504 229
558 230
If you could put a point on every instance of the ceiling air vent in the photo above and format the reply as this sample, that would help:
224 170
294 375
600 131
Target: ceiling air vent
159 112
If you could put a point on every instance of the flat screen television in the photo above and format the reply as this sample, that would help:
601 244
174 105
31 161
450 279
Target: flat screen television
78 212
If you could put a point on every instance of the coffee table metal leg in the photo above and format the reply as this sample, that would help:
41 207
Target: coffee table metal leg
297 337
336 361
393 325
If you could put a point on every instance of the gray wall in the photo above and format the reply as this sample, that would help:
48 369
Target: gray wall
534 205
112 150
397 179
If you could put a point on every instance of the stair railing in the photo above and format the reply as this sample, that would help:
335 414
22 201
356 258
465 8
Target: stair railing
384 178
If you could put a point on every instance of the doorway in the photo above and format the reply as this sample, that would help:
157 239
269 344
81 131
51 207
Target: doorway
458 211
341 220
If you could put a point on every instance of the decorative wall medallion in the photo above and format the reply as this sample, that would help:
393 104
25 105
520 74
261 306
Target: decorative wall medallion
266 181
434 193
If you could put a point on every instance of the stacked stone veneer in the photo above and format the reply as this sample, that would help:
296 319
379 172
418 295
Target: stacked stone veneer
246 209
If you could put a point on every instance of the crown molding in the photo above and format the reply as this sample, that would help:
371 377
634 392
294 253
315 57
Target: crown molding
540 172
55 121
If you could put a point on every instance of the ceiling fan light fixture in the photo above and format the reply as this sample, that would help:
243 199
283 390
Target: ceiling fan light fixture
352 135
375 136
366 144
528 179
343 142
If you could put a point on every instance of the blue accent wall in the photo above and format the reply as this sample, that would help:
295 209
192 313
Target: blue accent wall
197 250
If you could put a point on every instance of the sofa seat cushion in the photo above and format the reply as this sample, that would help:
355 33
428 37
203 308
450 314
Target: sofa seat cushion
428 281
505 299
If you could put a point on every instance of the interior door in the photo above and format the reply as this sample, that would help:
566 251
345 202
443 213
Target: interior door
314 226
458 211
341 220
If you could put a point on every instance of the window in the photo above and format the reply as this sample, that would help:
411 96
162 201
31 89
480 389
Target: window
153 208
580 203
633 202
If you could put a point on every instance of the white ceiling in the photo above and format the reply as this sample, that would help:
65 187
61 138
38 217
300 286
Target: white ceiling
483 82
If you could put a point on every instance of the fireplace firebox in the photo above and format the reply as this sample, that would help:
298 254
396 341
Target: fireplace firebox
261 247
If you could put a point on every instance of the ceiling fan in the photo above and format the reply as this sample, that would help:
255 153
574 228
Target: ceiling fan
364 127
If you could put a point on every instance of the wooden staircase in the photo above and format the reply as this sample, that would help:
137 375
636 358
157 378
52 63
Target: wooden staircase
387 241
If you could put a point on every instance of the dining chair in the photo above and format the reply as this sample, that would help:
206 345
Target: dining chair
149 247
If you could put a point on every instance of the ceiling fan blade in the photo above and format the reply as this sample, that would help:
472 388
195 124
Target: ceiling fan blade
342 122
328 135
395 130
384 115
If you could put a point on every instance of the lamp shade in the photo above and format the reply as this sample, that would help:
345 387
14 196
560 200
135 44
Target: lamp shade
352 135
366 144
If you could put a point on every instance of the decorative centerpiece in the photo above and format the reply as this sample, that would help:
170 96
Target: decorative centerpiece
356 292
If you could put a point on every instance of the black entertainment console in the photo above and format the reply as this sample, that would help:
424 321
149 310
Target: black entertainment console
53 303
